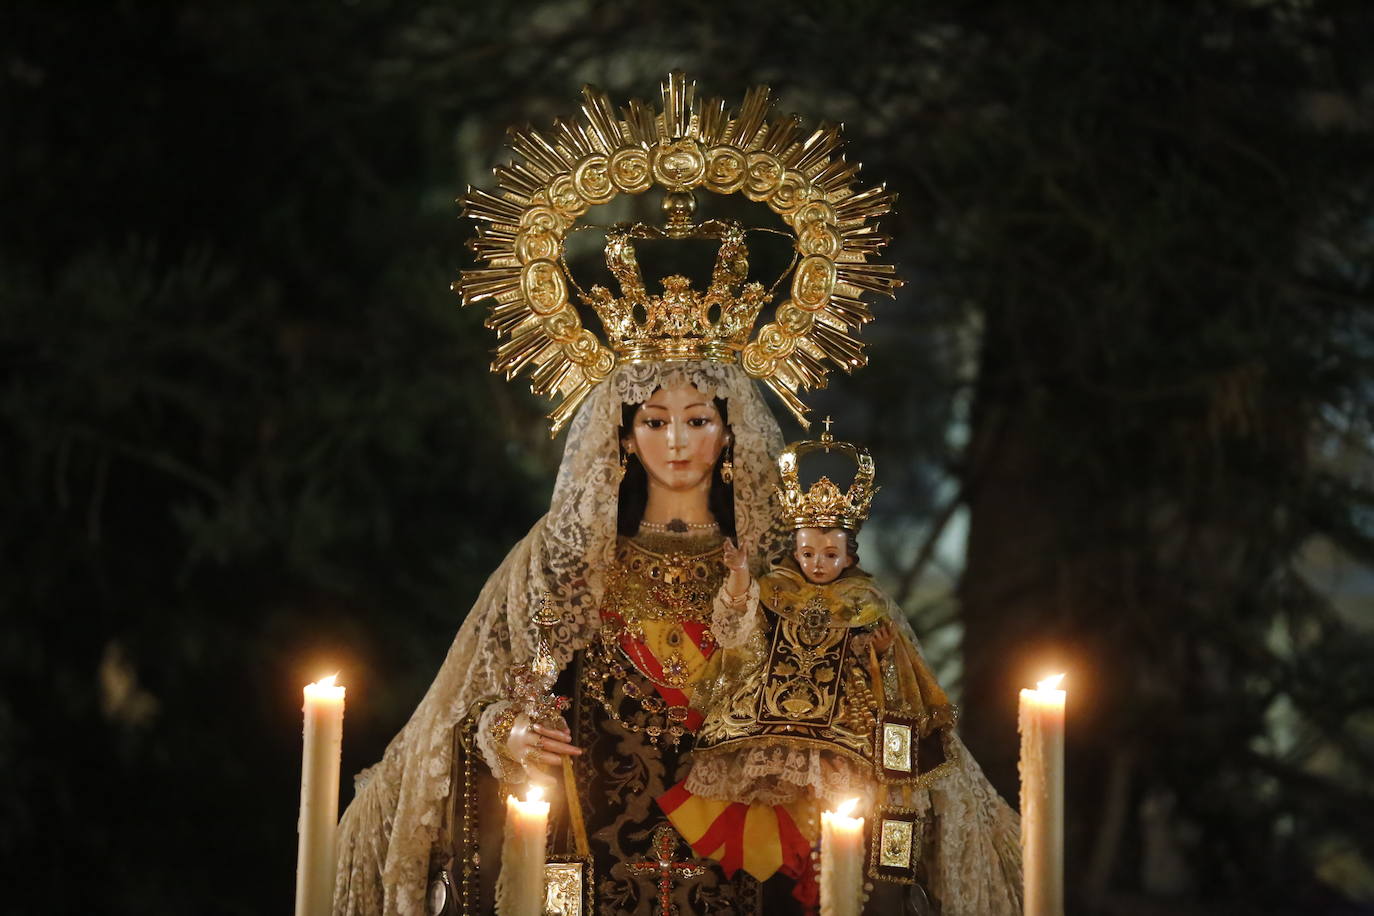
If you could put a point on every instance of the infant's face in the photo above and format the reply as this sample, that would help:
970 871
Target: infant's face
822 555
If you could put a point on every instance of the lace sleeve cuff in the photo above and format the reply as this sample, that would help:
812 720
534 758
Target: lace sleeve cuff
733 620
493 728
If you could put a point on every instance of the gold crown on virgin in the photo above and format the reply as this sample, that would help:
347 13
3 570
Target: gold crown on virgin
825 505
686 145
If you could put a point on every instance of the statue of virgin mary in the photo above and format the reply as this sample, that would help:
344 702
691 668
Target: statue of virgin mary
670 450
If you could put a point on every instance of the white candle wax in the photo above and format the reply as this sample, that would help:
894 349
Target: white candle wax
1041 723
319 815
520 887
842 858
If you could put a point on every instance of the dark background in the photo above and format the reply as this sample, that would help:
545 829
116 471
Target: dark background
247 435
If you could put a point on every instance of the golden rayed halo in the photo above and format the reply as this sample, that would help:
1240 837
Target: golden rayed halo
685 145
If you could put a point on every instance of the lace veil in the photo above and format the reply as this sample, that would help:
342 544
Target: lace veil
387 833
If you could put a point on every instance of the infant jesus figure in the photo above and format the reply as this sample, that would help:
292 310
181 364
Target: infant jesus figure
817 694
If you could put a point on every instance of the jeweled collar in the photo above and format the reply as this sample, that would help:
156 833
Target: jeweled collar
668 543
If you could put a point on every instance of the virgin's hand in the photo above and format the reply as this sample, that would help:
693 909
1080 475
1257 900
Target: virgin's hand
540 743
736 558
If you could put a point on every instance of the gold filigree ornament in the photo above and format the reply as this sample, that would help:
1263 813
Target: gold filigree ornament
895 842
568 886
686 145
825 505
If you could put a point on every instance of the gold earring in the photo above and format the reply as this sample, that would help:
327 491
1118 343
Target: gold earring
727 467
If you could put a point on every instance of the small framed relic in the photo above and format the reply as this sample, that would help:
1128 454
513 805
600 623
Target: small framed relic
568 886
895 845
896 746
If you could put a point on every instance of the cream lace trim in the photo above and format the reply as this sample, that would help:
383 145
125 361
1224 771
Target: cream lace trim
974 854
775 773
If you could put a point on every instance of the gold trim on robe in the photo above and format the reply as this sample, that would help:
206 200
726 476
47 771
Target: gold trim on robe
655 619
807 684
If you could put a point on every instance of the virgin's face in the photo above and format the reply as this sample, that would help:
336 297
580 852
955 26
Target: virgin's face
823 555
678 435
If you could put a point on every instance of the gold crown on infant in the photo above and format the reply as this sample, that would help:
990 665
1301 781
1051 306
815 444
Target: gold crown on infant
825 505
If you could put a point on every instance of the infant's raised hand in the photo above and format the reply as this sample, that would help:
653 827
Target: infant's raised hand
736 558
737 579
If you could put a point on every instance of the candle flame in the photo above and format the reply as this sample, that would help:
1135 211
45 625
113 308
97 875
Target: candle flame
325 689
846 808
1049 683
536 793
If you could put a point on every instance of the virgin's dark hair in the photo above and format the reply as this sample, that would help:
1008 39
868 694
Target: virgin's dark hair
634 488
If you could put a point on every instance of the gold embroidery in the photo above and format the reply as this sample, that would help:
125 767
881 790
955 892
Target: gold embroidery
675 585
802 690
805 688
852 601
801 680
616 792
657 585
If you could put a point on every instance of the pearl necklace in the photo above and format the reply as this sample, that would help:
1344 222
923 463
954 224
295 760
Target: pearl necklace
676 526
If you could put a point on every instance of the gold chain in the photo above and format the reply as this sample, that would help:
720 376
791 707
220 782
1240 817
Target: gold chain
668 584
665 720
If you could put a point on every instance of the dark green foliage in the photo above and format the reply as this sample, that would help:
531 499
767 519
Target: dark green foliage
246 431
1166 277
247 434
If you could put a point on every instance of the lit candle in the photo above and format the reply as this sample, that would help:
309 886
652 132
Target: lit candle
842 859
520 890
319 818
1042 797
